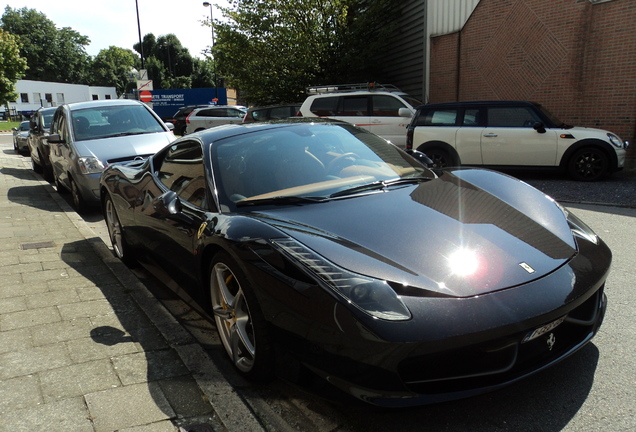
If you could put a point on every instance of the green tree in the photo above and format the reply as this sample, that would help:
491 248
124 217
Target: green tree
169 64
112 68
203 74
12 66
51 54
272 49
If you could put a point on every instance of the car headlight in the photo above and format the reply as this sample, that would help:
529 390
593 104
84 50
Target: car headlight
373 296
614 139
577 226
90 165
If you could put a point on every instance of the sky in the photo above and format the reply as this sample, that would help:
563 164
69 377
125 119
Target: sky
114 22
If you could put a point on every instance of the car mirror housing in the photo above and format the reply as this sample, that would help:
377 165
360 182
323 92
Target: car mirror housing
405 112
55 139
539 127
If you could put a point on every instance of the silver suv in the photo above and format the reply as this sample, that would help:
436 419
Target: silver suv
214 115
512 134
381 109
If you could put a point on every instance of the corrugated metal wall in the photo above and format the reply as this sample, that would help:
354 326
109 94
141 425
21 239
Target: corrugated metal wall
404 63
448 16
407 63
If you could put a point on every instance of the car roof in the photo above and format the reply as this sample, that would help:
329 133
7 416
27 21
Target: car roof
476 103
357 93
102 102
229 130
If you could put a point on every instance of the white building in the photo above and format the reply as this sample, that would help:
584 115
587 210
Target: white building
35 94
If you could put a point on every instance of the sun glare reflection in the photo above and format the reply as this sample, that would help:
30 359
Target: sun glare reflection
463 262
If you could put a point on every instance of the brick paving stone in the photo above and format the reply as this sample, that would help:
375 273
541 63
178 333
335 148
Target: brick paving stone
67 415
62 331
88 377
37 359
20 392
29 318
128 406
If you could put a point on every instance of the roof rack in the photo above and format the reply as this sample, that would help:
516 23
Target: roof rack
335 88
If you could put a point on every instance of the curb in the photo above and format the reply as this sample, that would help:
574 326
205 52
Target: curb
231 409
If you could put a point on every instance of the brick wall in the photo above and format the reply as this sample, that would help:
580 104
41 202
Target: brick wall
576 58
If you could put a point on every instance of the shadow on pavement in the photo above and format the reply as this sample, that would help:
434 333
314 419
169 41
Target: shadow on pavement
146 364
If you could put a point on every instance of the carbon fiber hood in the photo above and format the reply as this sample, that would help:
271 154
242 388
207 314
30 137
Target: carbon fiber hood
466 233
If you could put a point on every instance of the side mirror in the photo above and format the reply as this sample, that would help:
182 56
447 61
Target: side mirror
405 112
170 125
55 139
167 204
539 127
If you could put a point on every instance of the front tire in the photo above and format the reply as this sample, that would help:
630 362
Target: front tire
239 320
588 164
78 201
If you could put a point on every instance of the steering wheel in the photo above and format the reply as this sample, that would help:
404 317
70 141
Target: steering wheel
341 162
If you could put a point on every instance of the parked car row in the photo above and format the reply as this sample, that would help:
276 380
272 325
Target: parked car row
73 143
20 135
277 231
493 134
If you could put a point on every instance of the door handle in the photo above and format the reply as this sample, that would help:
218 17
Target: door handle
490 135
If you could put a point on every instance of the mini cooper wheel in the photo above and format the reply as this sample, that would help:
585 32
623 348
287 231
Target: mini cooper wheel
239 320
116 234
588 164
441 159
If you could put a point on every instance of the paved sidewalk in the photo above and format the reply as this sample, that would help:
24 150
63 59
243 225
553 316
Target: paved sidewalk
83 345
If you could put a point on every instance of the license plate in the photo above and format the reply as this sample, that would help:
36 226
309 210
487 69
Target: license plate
542 330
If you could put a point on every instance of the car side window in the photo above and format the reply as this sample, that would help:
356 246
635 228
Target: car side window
471 117
386 106
442 117
325 106
59 126
353 106
512 117
181 170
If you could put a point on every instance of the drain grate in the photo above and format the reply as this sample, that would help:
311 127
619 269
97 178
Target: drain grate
39 245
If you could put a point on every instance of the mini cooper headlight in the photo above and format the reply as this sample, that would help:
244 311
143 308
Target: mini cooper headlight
615 140
90 165
373 296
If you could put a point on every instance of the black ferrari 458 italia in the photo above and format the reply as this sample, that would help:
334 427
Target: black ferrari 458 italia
324 245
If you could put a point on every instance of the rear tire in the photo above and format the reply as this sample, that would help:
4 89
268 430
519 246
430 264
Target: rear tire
241 325
116 233
441 159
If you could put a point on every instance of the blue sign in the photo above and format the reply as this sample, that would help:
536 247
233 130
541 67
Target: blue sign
167 102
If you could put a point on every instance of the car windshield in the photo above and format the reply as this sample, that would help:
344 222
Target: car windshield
111 121
312 161
24 126
411 100
554 119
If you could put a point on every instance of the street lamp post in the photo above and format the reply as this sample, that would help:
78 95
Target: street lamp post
206 4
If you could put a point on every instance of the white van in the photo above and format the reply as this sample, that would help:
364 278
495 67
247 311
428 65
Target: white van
381 109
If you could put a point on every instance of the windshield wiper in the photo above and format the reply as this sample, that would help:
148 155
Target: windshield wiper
376 185
124 134
282 200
